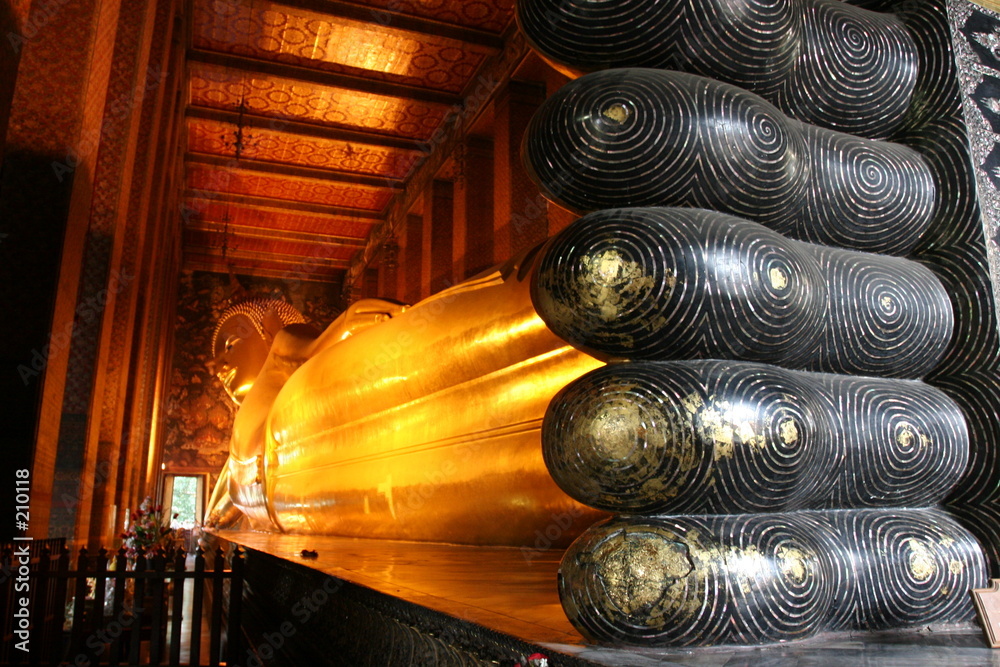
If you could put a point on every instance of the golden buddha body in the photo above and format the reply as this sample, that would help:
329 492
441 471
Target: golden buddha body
419 422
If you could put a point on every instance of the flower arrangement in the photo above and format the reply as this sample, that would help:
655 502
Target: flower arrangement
150 528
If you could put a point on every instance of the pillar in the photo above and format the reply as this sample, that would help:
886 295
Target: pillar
474 209
413 246
439 209
520 211
388 269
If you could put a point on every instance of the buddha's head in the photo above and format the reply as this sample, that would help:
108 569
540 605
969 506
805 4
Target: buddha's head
242 339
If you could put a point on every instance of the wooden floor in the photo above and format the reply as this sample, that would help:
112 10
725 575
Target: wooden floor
514 592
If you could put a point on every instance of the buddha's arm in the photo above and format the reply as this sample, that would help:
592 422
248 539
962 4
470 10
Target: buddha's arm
358 317
294 344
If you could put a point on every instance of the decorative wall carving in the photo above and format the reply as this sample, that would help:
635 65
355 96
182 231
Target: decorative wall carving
198 416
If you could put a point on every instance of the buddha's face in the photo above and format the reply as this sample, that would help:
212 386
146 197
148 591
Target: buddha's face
241 353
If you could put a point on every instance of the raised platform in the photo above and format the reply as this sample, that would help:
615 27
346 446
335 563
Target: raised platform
407 603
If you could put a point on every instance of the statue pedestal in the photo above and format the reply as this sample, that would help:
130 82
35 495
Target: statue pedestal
408 603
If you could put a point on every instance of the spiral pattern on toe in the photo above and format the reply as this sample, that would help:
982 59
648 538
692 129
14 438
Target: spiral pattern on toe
820 61
596 34
905 443
754 578
879 305
694 580
752 44
690 437
643 137
775 569
674 283
617 578
636 449
725 437
856 71
662 283
915 566
861 178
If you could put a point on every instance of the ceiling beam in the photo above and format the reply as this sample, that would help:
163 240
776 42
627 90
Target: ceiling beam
257 66
495 70
388 18
277 206
329 276
294 171
277 235
257 122
286 204
278 259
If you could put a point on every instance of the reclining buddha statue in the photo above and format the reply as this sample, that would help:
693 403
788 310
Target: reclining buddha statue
729 350
410 422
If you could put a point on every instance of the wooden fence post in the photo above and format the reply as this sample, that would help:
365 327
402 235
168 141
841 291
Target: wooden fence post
118 608
199 599
233 630
177 605
217 591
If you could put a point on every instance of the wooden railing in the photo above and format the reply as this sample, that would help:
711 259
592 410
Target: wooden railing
114 610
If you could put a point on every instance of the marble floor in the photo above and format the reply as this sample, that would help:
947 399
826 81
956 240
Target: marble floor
513 591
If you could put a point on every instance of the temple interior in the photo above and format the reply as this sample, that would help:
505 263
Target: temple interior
162 160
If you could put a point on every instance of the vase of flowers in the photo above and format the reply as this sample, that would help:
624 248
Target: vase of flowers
149 529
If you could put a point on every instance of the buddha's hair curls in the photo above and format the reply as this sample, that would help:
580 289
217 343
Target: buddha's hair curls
254 310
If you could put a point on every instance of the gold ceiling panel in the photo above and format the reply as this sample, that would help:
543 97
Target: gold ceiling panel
263 218
274 97
270 31
207 179
333 98
489 15
218 138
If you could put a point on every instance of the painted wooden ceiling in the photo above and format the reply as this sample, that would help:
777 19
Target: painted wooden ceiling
306 120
